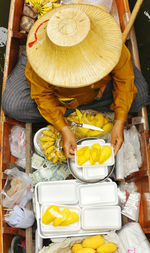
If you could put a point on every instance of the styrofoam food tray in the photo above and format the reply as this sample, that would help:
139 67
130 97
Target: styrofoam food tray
62 192
101 218
47 193
98 194
108 162
46 229
96 172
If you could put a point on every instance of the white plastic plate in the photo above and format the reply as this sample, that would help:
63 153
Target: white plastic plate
101 218
108 162
47 229
98 194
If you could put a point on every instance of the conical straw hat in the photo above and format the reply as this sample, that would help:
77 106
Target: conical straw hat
74 45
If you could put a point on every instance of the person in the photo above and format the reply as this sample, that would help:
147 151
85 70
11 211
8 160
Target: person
75 59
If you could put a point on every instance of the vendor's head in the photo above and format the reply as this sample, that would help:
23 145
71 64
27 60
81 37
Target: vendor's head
74 45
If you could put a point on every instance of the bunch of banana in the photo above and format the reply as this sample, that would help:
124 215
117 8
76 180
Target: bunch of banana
97 120
95 154
50 144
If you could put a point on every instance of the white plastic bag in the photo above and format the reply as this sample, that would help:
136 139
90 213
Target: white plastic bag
18 189
20 217
134 239
18 142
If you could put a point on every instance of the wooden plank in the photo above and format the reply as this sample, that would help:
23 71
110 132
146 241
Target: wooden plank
29 244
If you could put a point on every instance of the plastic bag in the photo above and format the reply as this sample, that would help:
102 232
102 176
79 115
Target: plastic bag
20 217
65 245
18 188
94 118
18 142
133 238
106 3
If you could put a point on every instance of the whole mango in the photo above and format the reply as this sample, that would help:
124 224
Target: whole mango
107 248
76 247
93 242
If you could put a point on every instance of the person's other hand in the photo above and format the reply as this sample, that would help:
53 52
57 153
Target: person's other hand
69 142
117 136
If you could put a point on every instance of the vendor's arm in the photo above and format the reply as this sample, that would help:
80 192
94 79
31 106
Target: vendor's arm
124 92
50 108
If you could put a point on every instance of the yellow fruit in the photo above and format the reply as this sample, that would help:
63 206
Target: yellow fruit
72 218
93 242
107 248
106 152
84 156
48 133
85 250
49 150
50 155
50 214
94 155
76 247
47 138
97 146
107 127
81 151
99 118
79 114
61 217
47 144
55 159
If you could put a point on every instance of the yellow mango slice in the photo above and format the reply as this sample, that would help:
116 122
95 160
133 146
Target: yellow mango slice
50 214
93 242
82 150
106 152
72 218
83 156
107 248
61 217
107 127
99 118
76 247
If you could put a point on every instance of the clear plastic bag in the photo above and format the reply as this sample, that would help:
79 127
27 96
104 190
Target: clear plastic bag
18 188
18 142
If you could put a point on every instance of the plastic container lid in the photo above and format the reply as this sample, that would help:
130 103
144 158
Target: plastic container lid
63 192
98 194
94 173
102 218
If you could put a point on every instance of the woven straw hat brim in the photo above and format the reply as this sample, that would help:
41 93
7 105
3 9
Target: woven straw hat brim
79 65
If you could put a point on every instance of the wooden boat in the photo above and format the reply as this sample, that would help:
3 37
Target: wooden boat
15 40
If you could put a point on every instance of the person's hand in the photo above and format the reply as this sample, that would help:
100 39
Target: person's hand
117 136
69 142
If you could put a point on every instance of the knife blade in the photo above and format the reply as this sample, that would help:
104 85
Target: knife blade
87 126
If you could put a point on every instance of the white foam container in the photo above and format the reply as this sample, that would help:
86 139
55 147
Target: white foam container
98 194
80 197
101 218
108 162
94 173
62 192
47 229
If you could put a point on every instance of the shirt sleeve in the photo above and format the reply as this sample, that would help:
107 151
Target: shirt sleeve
124 89
44 96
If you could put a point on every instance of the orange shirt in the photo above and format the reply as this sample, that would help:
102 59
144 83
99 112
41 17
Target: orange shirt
49 98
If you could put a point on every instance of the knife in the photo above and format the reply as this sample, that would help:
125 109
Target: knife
86 126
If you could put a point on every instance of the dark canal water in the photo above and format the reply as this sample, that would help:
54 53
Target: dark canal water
142 28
